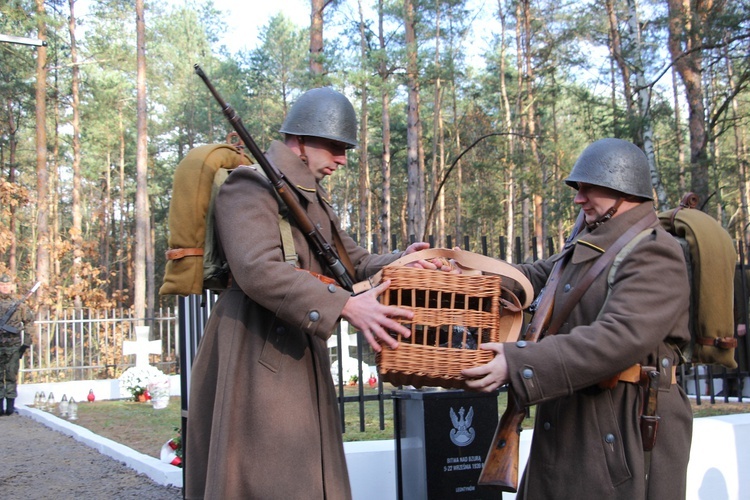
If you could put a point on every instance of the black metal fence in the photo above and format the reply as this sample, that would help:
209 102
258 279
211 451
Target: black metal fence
703 381
87 344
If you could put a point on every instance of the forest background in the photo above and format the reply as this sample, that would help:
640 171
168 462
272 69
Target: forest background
93 123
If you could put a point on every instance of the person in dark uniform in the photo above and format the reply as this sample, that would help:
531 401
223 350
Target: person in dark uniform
11 345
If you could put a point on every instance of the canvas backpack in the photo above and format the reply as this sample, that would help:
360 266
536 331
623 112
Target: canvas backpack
710 257
194 259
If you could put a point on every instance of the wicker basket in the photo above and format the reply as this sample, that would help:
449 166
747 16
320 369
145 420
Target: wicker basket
454 314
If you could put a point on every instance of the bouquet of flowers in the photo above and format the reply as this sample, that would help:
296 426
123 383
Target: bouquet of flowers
158 389
171 452
136 379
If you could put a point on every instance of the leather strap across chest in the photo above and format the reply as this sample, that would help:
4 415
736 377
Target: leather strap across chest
560 315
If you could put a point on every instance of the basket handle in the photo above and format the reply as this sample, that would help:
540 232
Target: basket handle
467 260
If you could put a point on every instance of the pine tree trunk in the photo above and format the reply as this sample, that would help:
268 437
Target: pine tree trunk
685 22
415 158
385 162
316 37
42 177
510 171
141 194
12 147
76 232
644 128
365 200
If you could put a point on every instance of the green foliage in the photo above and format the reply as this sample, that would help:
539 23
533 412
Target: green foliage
557 75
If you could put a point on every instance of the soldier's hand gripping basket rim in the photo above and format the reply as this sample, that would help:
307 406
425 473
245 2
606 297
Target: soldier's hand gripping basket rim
454 314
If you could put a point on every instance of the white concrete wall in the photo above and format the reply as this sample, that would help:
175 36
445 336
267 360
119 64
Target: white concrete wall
720 450
79 389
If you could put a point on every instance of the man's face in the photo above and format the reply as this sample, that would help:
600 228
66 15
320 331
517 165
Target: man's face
324 156
595 200
6 288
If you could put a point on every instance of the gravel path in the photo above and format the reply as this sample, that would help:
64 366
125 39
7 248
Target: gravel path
37 462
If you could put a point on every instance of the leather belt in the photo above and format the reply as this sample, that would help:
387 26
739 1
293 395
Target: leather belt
633 374
179 253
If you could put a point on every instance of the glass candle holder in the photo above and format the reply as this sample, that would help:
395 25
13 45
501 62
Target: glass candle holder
72 409
63 407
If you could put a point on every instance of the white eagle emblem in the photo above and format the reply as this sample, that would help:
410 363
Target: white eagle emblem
462 433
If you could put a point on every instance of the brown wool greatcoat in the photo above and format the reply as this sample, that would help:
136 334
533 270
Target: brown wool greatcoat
263 420
587 440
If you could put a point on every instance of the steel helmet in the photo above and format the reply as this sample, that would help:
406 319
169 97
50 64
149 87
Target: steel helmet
325 113
614 164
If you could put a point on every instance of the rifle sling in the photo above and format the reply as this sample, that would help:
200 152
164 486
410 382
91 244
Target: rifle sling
595 270
343 255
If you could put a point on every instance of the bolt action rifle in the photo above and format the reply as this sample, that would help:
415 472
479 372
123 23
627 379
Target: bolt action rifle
501 466
4 326
324 251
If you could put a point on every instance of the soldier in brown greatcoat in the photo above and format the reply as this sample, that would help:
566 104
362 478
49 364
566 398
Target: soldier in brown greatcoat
587 440
263 417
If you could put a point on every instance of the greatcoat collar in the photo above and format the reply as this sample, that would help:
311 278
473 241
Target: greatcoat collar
591 244
297 173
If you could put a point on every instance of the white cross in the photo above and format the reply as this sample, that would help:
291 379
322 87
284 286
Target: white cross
141 347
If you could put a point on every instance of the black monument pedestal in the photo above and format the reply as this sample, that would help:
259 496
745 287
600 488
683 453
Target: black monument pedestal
442 439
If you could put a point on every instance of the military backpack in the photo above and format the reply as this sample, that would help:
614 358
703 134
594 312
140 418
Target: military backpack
710 257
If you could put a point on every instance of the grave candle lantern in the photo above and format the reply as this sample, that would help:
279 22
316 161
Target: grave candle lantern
72 409
64 406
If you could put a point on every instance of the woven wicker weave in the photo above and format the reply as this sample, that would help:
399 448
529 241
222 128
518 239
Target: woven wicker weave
453 315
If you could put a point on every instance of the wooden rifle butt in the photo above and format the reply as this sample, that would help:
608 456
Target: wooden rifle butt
501 465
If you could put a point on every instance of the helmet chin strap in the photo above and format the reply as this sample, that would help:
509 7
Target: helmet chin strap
607 215
301 144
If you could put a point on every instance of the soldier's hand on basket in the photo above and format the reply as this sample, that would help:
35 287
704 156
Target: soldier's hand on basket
421 263
365 313
434 264
491 376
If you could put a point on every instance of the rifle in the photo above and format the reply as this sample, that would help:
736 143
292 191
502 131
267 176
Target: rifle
501 466
324 251
4 326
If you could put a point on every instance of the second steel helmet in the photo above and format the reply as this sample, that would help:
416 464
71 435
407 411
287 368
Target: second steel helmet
614 164
323 112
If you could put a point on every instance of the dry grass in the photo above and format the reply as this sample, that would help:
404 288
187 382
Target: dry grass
136 425
706 409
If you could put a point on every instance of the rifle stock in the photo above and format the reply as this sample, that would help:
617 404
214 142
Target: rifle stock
324 251
501 465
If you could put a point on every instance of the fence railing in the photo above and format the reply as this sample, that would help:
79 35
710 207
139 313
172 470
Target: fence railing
87 344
